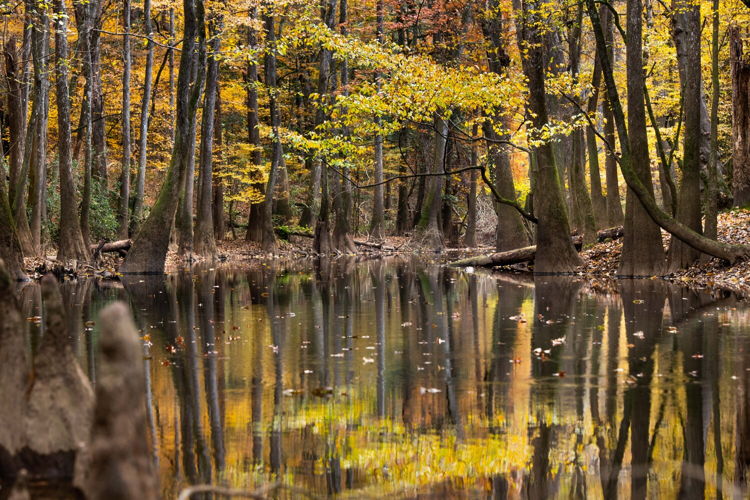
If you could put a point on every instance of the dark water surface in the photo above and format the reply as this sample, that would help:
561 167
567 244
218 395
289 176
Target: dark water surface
394 378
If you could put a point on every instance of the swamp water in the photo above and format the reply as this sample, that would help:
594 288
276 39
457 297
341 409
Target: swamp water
407 379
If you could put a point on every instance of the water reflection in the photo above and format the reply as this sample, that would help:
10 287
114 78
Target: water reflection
377 378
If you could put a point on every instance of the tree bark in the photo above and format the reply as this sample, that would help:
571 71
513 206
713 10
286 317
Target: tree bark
124 208
614 203
378 213
255 216
555 252
598 201
220 227
428 233
149 250
642 250
740 119
71 245
140 183
205 244
712 190
470 238
16 110
686 34
38 155
10 247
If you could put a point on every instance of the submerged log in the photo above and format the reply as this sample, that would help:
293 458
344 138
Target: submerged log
361 243
517 256
120 464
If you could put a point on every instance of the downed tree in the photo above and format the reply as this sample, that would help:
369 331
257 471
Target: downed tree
517 256
611 233
111 246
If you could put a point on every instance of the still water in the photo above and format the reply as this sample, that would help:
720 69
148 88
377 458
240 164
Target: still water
408 379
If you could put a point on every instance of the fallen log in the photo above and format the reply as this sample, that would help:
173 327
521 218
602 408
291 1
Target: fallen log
517 256
112 246
611 233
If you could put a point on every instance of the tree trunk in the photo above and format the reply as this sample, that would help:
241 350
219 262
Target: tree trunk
149 249
98 139
615 216
38 155
740 119
587 224
686 34
220 227
428 233
712 190
255 214
642 250
470 238
140 183
508 257
71 245
555 252
378 212
16 111
205 244
267 236
124 208
341 237
10 247
510 232
598 202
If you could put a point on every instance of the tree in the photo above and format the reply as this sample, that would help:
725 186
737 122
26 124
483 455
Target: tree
149 250
205 244
140 183
378 211
740 119
71 245
555 251
687 27
642 250
124 208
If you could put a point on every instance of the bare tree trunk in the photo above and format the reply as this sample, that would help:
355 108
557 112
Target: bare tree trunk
555 252
712 190
378 213
140 183
10 247
205 244
598 202
428 232
642 250
470 238
38 155
510 232
341 237
71 245
220 227
740 119
255 217
16 110
687 27
98 139
615 216
85 13
267 236
149 249
124 208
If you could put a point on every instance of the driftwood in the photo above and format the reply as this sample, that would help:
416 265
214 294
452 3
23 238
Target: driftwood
46 402
517 256
119 463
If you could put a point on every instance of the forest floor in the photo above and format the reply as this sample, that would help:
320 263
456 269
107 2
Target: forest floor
601 260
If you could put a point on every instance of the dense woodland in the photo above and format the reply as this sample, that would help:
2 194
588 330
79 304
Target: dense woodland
452 123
